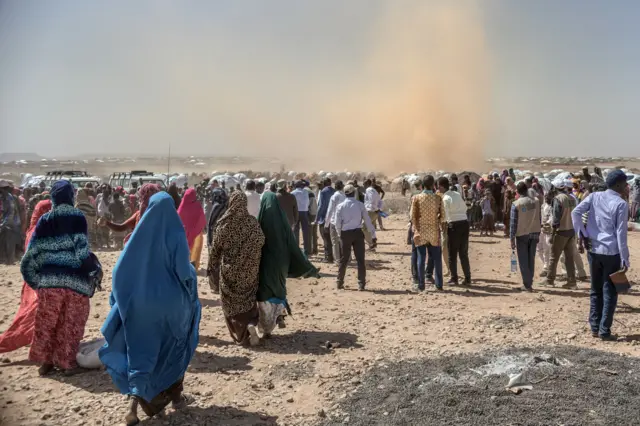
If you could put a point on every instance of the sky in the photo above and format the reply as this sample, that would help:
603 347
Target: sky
365 83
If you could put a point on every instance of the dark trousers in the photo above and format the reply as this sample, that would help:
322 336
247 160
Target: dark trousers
526 251
313 231
326 241
414 256
604 296
355 239
434 263
8 241
303 223
458 242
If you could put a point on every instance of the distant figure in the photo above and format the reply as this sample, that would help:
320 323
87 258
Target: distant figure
330 221
192 215
220 202
175 194
288 203
322 218
253 198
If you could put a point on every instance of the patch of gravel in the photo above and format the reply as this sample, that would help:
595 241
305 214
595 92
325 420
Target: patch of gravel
571 386
503 321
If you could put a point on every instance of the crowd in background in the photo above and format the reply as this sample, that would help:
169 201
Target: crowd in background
257 237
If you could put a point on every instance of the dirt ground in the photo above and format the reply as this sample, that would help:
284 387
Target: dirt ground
336 339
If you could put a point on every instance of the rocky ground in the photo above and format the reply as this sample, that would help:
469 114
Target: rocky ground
342 349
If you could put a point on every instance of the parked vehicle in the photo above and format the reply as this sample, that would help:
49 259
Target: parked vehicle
135 178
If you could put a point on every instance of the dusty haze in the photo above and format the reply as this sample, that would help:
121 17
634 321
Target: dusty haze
412 94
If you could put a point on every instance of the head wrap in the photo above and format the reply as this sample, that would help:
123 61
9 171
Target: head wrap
614 177
147 190
62 193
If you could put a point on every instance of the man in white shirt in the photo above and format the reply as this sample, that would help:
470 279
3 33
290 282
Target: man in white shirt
253 198
303 201
372 204
351 217
455 210
330 220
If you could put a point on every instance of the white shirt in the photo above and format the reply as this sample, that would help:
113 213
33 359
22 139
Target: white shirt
455 209
351 214
336 199
302 197
372 199
253 203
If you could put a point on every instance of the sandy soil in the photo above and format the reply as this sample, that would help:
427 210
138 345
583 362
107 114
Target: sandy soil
333 340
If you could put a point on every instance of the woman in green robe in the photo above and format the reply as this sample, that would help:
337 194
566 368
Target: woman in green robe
281 259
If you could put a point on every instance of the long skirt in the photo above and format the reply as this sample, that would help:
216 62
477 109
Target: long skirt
269 313
60 320
196 251
237 325
20 332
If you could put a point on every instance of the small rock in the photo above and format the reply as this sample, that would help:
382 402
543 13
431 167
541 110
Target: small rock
6 360
290 400
571 336
322 414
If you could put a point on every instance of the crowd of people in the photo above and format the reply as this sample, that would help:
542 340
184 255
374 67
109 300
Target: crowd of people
254 245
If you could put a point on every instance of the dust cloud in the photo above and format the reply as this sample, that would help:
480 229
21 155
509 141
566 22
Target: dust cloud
417 99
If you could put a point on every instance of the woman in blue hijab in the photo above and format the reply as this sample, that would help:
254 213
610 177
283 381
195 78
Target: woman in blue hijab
152 330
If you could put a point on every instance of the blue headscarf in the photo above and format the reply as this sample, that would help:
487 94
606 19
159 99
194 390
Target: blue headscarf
152 330
62 193
614 177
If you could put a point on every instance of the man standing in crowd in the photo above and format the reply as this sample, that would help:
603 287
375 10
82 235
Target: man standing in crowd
313 213
372 204
525 227
302 198
330 221
8 226
288 203
351 216
427 219
322 218
563 236
253 198
606 239
455 211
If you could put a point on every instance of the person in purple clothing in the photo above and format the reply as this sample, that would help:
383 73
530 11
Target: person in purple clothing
606 236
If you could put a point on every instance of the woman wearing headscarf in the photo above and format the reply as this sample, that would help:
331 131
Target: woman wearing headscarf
175 194
219 202
20 332
237 245
83 203
145 194
58 266
151 331
192 215
281 259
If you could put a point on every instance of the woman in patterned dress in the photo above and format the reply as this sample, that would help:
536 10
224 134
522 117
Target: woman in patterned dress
237 244
58 265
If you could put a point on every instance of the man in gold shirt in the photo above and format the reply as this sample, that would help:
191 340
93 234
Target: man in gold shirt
427 220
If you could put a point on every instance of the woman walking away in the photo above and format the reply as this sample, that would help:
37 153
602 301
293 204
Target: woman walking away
175 194
20 332
192 215
146 192
219 206
488 205
151 332
281 258
58 265
237 244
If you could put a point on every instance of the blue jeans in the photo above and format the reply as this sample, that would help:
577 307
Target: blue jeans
604 296
526 250
303 222
435 262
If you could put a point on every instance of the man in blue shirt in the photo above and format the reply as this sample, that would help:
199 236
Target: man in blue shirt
606 236
350 216
302 199
323 207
